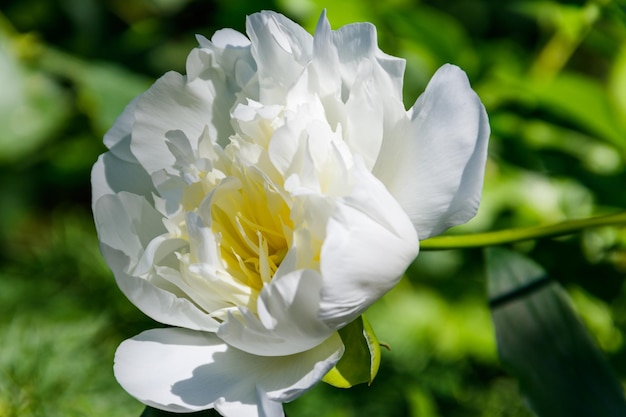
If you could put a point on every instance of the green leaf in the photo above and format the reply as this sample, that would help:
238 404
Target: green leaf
541 341
581 102
104 90
617 83
584 102
33 107
360 361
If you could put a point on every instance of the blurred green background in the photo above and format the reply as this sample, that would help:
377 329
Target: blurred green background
551 74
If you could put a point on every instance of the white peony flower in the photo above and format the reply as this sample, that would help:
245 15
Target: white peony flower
266 199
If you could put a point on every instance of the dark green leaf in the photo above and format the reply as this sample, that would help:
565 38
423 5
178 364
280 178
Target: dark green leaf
542 342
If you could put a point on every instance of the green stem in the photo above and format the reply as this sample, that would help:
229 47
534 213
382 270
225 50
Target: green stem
567 38
502 237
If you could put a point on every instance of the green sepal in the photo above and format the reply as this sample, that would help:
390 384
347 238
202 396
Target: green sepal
359 363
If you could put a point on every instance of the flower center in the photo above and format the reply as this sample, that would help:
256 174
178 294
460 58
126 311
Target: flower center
253 221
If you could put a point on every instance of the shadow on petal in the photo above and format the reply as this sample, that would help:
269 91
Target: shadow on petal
213 383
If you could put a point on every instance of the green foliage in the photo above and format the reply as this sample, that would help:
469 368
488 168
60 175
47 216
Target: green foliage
553 78
61 322
32 104
561 371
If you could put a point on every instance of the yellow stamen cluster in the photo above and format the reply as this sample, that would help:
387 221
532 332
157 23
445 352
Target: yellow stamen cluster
254 225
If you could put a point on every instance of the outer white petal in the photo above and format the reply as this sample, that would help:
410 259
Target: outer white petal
288 319
162 305
183 371
126 224
436 170
119 170
173 104
370 242
117 139
111 175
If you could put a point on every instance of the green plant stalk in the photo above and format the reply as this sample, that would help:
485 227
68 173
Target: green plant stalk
560 48
501 237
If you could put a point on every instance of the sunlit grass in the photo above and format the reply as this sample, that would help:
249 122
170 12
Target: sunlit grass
59 325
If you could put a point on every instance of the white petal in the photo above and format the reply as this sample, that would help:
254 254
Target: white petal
358 41
287 320
127 222
281 49
111 175
369 244
160 304
326 59
268 407
119 170
181 370
357 82
117 139
364 124
126 225
202 276
173 104
227 37
225 59
436 170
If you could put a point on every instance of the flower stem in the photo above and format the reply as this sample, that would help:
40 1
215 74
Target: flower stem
502 237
